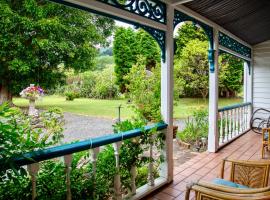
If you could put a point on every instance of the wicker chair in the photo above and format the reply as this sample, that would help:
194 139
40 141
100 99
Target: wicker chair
265 140
253 174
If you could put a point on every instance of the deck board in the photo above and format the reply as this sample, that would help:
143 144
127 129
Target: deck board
206 166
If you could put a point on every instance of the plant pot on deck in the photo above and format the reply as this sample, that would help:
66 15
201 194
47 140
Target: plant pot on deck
175 129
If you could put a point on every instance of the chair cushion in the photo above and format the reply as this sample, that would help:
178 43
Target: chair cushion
220 181
266 136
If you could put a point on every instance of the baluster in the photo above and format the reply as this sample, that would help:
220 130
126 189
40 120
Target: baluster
133 172
226 124
221 133
151 180
94 153
33 171
234 122
230 123
243 120
68 162
117 180
237 121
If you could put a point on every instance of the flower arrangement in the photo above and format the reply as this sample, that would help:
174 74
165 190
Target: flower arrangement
32 92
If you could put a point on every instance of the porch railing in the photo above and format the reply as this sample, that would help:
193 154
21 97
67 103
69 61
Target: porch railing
233 122
32 162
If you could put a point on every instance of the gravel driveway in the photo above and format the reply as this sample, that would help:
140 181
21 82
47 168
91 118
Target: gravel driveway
80 127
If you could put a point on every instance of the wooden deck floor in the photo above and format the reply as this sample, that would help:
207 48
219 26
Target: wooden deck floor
206 166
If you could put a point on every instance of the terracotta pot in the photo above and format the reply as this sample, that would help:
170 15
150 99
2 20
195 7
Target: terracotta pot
175 129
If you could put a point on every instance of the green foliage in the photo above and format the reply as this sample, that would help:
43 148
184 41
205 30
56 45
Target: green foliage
191 66
195 128
192 70
38 36
21 134
144 91
105 87
104 62
128 45
70 95
186 33
230 75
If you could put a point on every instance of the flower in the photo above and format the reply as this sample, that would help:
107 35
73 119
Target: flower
32 92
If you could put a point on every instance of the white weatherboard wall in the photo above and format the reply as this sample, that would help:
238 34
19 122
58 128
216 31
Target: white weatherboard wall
261 76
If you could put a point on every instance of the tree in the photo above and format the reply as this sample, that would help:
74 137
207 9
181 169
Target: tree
125 49
39 40
187 32
231 68
144 90
230 75
128 45
193 69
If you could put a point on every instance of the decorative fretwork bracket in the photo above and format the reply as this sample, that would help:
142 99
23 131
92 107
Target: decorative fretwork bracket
233 45
182 17
151 9
159 36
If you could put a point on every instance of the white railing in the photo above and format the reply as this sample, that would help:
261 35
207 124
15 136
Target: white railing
66 153
233 122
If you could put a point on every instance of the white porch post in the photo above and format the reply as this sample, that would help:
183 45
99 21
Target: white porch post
247 82
213 100
167 93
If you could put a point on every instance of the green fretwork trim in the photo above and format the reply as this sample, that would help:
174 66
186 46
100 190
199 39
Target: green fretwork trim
160 37
234 45
151 9
182 17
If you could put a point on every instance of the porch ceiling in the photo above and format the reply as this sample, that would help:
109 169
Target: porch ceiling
247 19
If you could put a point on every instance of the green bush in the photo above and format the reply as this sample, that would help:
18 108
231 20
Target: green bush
105 87
21 133
70 96
195 128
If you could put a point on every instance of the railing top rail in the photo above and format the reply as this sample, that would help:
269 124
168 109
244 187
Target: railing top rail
234 106
58 151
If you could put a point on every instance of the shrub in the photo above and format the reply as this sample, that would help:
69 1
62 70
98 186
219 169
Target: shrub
105 87
195 128
21 134
70 96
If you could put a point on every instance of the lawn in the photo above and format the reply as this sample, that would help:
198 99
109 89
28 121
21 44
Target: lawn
108 108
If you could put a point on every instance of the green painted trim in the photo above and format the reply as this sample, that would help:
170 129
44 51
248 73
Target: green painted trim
154 10
233 45
182 17
234 106
58 151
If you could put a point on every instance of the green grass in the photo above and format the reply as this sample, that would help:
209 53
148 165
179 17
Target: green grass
108 108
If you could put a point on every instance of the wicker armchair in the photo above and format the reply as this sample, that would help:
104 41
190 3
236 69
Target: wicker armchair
253 174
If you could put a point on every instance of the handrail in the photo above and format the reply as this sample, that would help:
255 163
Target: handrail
234 106
66 149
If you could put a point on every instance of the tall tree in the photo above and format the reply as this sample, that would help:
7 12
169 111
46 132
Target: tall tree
129 44
39 39
125 48
192 69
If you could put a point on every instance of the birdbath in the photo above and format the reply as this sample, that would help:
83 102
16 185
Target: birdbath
32 93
